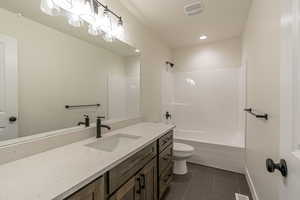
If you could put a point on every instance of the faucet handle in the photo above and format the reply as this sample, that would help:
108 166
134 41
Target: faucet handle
86 116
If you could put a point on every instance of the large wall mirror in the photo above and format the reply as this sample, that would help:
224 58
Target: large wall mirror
46 66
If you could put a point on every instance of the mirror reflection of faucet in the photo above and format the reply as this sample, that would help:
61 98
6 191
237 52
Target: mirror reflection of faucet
86 122
168 116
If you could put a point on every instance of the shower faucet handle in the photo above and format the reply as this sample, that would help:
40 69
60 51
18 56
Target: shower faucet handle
168 115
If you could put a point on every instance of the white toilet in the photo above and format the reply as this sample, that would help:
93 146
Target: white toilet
181 152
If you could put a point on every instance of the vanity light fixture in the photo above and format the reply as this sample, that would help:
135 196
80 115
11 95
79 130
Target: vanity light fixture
203 37
100 19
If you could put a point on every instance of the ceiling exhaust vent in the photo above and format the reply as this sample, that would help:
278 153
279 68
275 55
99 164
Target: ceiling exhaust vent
194 8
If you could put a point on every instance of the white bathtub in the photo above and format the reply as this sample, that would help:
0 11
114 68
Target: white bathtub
215 149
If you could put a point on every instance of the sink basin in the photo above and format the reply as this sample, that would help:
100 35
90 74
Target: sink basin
111 143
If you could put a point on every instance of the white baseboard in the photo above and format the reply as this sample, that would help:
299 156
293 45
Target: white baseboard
251 184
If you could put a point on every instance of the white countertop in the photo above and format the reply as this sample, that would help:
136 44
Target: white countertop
57 173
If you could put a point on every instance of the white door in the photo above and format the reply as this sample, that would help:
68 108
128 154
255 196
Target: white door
8 88
290 99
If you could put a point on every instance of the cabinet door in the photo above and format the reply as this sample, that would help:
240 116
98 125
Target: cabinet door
128 168
93 191
149 181
129 191
165 180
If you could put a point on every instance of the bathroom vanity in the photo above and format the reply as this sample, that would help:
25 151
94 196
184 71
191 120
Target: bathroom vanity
145 175
129 163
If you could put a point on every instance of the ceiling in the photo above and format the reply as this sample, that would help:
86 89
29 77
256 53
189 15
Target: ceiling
31 9
221 19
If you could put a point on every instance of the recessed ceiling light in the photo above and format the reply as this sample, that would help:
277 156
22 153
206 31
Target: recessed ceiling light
203 37
137 51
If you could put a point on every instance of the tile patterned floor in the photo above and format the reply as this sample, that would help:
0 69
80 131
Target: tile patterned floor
205 183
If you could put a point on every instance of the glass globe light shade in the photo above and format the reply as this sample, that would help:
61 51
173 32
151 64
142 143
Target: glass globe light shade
49 8
92 30
74 20
65 4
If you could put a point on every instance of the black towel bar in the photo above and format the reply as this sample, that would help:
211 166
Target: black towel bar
79 106
250 110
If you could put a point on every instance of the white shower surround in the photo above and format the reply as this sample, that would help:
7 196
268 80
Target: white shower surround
206 106
207 100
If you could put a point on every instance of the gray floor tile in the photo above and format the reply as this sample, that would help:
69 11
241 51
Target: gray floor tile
205 183
200 185
225 184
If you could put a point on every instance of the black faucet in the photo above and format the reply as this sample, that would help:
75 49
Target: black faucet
86 121
99 126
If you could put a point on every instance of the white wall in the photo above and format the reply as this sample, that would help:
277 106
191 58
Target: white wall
221 54
207 87
261 54
154 55
133 85
124 90
207 100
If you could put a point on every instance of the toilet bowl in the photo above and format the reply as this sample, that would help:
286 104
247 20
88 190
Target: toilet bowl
181 152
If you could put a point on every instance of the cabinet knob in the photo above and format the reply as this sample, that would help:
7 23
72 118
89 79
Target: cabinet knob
12 119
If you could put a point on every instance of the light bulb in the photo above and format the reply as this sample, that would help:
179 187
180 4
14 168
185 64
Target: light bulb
88 11
48 7
118 30
76 7
74 20
98 21
106 22
203 37
65 4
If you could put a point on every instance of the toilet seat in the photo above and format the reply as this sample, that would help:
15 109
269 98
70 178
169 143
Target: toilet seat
179 147
182 151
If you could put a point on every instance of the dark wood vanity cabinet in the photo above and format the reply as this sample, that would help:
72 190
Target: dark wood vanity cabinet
129 191
149 172
148 178
143 186
165 141
165 162
143 176
93 191
130 167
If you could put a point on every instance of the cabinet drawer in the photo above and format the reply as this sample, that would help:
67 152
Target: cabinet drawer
165 159
165 141
165 180
93 191
124 171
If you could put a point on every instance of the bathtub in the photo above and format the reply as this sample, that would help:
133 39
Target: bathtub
223 150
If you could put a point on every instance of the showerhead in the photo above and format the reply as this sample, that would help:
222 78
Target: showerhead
170 64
